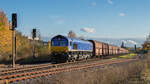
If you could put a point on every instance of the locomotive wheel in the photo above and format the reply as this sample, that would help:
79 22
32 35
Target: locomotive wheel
73 60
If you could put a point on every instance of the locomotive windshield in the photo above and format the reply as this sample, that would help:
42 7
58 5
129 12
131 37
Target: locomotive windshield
59 42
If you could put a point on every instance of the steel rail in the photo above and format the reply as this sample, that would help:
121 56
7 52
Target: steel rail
22 69
24 76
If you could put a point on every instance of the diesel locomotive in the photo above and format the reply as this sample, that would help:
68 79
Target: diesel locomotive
70 49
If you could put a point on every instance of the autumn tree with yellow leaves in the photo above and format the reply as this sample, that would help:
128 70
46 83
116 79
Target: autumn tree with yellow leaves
5 35
6 40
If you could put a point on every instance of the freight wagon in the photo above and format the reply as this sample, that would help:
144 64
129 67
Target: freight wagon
70 49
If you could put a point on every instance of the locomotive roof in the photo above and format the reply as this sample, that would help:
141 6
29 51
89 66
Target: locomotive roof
73 39
104 43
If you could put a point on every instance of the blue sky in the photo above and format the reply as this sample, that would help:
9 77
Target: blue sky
88 18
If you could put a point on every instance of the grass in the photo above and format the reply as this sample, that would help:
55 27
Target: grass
113 58
131 55
127 56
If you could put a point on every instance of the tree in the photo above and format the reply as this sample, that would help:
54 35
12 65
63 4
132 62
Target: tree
3 20
71 34
5 35
122 45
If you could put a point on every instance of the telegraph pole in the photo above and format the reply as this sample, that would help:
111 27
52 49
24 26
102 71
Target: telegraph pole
14 25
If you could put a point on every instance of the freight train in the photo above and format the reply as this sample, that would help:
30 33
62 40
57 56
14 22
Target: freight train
70 49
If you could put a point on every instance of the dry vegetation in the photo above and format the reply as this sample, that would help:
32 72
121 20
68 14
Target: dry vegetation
42 54
137 72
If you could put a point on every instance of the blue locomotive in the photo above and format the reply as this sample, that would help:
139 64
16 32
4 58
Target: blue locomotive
70 49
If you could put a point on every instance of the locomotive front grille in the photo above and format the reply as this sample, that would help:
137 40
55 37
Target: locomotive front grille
59 49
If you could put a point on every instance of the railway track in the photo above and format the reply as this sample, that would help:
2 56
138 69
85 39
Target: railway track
50 71
41 67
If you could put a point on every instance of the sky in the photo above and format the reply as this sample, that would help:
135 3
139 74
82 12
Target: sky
87 18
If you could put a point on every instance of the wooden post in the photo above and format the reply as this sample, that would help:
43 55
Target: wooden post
13 47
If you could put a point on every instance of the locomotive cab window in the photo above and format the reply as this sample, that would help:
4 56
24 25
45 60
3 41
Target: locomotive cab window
74 46
70 43
59 41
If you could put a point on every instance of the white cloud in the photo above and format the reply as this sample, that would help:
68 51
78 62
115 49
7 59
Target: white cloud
93 3
122 14
129 42
132 42
124 41
88 30
110 1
